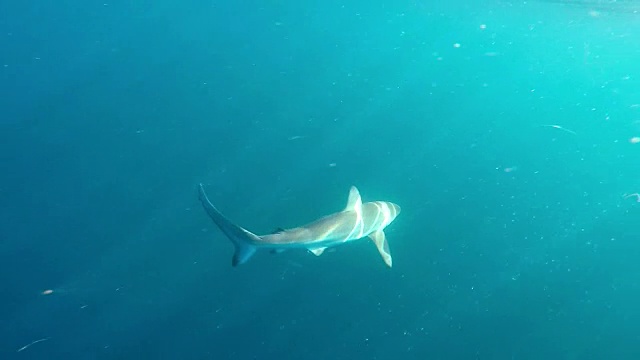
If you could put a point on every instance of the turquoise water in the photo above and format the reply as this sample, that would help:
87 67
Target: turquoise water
506 131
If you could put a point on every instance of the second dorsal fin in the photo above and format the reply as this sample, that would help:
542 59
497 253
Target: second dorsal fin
278 230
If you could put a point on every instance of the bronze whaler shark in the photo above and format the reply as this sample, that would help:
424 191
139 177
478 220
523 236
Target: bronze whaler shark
355 222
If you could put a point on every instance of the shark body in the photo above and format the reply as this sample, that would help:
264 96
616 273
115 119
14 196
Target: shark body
355 222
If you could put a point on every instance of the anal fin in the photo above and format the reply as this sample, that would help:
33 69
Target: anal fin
380 240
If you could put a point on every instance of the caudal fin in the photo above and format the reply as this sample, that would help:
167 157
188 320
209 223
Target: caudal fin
242 239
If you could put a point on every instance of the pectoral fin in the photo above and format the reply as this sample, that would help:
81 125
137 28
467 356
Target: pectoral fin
317 251
383 246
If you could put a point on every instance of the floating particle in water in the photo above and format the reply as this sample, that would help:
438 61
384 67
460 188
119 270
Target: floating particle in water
456 45
635 140
483 26
47 292
32 343
561 128
636 195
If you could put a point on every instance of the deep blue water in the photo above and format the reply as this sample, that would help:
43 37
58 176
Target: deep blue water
504 129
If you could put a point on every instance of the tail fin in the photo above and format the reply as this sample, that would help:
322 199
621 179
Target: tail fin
242 239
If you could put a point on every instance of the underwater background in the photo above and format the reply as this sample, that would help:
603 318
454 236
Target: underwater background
506 130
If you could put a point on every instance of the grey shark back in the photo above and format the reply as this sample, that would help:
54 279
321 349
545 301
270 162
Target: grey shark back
356 221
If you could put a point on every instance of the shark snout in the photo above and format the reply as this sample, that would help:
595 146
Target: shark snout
395 208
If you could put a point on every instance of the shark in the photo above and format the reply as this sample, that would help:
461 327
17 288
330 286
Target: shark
356 221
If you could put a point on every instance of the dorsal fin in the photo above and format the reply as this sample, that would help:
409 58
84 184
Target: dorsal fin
355 201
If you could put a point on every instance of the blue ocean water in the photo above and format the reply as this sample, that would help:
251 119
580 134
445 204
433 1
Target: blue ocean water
506 130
